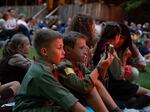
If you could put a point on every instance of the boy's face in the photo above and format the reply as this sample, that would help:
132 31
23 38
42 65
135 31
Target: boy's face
80 51
55 52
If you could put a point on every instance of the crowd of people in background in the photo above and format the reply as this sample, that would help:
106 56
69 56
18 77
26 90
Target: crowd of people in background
10 23
82 64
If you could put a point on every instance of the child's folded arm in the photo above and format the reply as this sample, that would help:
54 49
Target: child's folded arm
73 82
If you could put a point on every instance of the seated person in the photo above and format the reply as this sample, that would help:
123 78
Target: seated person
79 80
14 62
13 66
40 90
145 48
128 53
119 88
7 32
136 60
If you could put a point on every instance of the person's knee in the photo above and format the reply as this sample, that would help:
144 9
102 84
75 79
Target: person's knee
148 94
133 75
15 86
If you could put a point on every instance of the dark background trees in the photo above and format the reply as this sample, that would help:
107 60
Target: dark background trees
135 10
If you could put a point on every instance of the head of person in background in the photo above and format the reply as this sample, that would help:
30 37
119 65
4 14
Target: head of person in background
6 16
84 24
126 42
110 34
19 43
125 37
12 13
145 47
22 16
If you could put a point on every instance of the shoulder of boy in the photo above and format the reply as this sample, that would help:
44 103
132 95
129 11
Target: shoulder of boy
69 69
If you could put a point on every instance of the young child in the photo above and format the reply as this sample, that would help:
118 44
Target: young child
40 90
74 75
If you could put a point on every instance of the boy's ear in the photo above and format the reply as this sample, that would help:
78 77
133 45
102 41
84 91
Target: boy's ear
67 49
43 52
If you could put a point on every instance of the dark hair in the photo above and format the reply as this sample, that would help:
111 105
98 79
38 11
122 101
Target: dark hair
109 31
83 24
5 15
71 37
125 34
43 38
11 45
11 9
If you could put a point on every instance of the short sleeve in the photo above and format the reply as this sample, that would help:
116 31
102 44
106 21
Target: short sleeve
52 89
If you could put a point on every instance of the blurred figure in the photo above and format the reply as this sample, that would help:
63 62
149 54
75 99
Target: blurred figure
14 63
125 93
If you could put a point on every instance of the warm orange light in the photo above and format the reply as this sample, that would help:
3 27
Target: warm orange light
135 36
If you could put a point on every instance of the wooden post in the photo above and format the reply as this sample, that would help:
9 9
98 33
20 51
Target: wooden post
6 3
62 2
25 3
50 4
16 2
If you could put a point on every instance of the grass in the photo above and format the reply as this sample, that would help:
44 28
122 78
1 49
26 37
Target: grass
31 53
143 80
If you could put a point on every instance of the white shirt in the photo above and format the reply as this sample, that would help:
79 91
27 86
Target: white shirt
22 22
11 23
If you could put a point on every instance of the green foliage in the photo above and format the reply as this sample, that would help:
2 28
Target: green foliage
31 53
147 16
133 4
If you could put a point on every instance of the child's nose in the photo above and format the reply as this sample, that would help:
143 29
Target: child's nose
85 52
63 52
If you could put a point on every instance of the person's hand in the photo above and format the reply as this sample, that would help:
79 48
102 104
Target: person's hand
127 54
105 63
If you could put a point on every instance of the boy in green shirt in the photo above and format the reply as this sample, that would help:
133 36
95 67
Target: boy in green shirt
40 90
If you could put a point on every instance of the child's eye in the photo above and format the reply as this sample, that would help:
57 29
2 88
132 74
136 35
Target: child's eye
82 47
60 47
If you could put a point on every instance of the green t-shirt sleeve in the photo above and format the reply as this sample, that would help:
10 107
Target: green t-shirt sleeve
52 89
